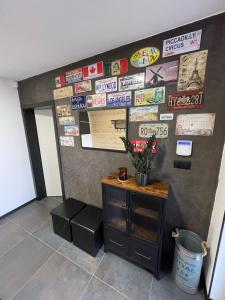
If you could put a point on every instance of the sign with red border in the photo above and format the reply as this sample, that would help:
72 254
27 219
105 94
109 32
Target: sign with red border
185 100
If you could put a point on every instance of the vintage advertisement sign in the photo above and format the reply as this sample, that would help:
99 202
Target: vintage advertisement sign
185 100
74 76
139 145
64 92
67 141
66 120
78 102
183 43
166 117
83 87
106 85
195 124
97 100
192 71
119 67
147 130
63 110
119 99
71 130
145 57
93 71
162 74
60 81
145 113
150 96
132 82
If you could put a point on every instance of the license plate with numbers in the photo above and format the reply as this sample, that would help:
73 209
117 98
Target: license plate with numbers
159 129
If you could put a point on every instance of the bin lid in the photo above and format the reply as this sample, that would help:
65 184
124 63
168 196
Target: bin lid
68 209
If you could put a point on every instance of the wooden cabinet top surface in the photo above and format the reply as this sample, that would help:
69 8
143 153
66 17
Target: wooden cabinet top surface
157 188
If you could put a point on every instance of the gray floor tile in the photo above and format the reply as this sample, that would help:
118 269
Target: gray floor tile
98 290
10 236
165 289
127 278
51 202
19 264
80 257
47 235
57 279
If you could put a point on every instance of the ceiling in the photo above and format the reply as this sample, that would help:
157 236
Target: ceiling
37 36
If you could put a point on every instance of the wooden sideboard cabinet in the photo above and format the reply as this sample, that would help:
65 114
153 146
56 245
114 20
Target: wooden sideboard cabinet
133 219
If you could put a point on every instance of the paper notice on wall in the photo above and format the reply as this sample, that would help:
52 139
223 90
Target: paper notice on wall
67 141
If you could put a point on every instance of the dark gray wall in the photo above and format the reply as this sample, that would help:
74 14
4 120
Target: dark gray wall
193 190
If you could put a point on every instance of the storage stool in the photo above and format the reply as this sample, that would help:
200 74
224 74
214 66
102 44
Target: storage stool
62 214
87 229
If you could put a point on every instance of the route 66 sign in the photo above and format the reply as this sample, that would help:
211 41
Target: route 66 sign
145 57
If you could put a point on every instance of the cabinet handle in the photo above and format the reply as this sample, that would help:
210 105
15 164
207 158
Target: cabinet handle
118 244
143 256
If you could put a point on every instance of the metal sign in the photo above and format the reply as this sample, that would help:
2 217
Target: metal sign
67 141
139 145
60 81
78 102
63 110
74 76
166 117
185 100
145 57
192 71
150 96
66 121
132 82
195 124
183 43
162 74
83 87
93 71
71 130
119 99
106 85
119 66
64 92
143 114
160 130
97 100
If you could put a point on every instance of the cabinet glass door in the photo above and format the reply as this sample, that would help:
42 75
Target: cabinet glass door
116 208
145 216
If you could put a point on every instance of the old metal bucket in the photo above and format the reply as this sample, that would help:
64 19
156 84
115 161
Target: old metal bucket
188 257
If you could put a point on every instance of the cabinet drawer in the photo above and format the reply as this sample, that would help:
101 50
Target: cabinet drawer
144 253
116 241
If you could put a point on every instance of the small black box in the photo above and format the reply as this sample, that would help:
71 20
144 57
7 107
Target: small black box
87 229
62 214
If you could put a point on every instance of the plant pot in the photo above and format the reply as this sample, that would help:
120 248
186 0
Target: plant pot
142 179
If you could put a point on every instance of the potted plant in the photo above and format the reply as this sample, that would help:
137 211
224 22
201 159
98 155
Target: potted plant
142 153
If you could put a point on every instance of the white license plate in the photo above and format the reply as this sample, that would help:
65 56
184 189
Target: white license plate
159 129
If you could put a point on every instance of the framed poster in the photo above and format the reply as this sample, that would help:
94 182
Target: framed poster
162 74
97 100
67 141
64 92
73 76
63 110
119 99
78 102
192 71
71 130
147 130
132 82
66 120
143 114
182 43
185 100
195 124
106 85
145 57
150 96
83 86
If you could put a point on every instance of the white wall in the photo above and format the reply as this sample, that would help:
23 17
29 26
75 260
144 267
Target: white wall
47 143
16 181
215 228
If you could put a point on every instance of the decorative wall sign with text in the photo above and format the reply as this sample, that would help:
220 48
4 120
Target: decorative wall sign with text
106 85
74 76
132 82
160 130
166 117
183 43
93 70
67 141
66 120
145 57
83 86
119 99
60 81
78 102
192 71
139 145
63 110
97 100
143 114
150 96
71 130
185 100
64 92
119 67
162 74
195 124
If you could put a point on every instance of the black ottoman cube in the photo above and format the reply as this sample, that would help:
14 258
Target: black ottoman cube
62 214
87 229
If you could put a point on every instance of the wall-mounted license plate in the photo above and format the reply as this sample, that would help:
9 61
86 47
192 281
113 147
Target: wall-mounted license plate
159 129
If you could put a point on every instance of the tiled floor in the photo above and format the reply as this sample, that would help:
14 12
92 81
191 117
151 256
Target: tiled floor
37 264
